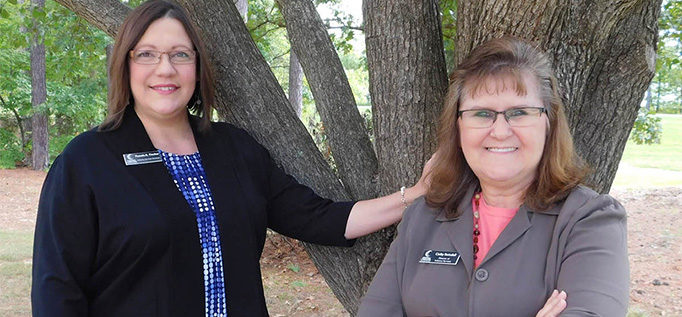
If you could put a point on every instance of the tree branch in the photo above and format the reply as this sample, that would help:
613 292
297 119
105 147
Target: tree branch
348 139
106 15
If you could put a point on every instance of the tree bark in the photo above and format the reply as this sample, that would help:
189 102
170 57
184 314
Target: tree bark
40 155
350 145
407 77
295 84
106 15
648 99
603 52
407 81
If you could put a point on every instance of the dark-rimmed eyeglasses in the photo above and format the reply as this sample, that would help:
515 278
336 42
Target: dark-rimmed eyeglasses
151 57
485 118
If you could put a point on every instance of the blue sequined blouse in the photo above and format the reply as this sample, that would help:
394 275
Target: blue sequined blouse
190 178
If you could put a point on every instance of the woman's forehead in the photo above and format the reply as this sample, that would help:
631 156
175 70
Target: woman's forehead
166 33
519 82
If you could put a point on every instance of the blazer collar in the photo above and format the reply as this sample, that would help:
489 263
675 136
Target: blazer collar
460 231
131 137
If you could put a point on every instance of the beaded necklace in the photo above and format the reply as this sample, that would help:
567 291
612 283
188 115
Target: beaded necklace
477 218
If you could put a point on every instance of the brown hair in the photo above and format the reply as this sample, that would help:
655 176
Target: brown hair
507 58
130 32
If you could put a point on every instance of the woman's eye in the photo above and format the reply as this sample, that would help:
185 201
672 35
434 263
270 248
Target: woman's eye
516 112
144 54
181 54
483 114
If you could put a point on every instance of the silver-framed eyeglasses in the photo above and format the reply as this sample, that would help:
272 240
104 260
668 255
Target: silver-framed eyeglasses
151 57
485 118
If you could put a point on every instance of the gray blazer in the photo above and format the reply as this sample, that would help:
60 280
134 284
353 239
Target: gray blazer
579 246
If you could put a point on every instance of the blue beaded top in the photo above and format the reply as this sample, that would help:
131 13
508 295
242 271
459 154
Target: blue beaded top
190 178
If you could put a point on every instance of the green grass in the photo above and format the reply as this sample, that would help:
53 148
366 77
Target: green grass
15 272
657 164
663 156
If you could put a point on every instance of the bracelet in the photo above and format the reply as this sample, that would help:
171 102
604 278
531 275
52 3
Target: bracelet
402 197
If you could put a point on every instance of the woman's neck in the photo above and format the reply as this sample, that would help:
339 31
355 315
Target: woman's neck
172 135
504 196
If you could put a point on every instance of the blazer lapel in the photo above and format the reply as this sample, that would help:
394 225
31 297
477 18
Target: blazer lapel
131 137
515 229
460 232
218 157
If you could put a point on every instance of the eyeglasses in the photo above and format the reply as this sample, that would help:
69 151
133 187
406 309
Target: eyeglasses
151 57
485 118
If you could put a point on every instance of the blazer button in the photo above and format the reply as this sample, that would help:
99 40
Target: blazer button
481 275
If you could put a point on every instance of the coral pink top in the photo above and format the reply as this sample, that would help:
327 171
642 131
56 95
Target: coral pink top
491 223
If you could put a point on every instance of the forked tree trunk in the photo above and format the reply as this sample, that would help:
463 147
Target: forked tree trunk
603 51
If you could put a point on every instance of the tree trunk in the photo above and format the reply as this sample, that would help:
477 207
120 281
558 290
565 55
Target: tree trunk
344 127
408 79
41 156
295 84
658 93
604 54
648 99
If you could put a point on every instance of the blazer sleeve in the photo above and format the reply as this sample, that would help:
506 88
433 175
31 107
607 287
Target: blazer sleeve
297 211
595 270
64 244
293 209
383 297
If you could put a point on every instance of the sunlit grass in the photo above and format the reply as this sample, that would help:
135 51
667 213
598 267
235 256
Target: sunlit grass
15 273
656 164
663 156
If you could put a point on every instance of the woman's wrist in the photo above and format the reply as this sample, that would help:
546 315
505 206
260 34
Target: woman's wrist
409 194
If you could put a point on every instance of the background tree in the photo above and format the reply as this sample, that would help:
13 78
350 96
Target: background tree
74 71
603 52
666 87
40 154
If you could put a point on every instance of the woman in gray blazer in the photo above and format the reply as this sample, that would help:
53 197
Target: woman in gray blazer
505 223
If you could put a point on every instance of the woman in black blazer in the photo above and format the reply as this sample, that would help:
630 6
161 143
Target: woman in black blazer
160 213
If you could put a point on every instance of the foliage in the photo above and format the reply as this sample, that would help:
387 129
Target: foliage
448 15
10 149
75 71
666 87
670 20
647 128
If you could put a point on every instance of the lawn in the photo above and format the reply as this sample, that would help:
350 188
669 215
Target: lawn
656 164
663 156
15 272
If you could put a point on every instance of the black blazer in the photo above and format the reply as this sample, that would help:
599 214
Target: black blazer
117 240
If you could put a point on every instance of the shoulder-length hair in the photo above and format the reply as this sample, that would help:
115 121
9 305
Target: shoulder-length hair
510 60
130 32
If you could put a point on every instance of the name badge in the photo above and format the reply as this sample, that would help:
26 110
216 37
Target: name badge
440 257
142 158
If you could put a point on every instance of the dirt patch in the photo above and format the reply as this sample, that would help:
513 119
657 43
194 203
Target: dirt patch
19 193
294 287
654 248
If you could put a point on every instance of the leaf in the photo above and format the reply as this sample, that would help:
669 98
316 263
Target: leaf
4 13
294 267
38 14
